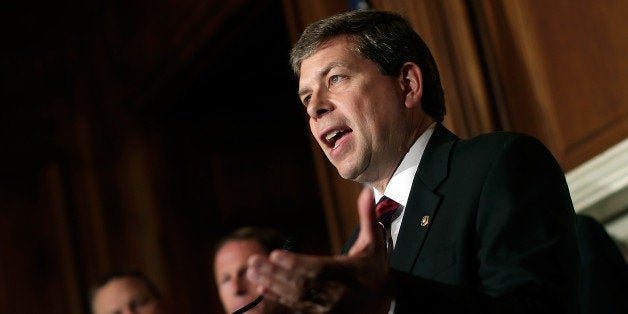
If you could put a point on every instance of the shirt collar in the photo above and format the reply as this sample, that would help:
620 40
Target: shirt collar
399 186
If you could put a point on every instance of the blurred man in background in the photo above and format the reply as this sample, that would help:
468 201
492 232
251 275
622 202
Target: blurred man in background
230 264
126 292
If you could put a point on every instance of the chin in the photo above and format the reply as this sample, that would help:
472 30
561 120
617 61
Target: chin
352 174
345 172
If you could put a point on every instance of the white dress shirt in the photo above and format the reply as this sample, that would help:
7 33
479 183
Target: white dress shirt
398 188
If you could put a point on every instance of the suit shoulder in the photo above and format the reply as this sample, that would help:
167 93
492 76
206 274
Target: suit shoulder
504 145
501 140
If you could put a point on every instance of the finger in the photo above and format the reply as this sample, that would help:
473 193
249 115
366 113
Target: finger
298 264
267 273
302 272
311 281
366 211
275 282
255 272
370 236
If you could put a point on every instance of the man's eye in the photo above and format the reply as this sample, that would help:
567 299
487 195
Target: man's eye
306 100
334 79
225 279
140 302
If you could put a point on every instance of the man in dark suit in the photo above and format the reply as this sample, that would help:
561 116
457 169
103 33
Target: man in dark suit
480 225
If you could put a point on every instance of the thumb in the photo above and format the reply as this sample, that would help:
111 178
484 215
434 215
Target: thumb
370 233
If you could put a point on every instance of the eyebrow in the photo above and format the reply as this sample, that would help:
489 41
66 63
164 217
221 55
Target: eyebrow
321 73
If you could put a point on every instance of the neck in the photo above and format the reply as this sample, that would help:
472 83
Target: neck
385 177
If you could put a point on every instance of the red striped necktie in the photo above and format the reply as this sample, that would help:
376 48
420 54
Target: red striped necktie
384 210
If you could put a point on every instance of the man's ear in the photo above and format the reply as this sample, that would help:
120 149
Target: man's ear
412 82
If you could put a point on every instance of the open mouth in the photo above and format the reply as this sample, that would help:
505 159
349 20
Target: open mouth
333 136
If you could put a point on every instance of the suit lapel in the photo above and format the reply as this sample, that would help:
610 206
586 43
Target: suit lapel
423 201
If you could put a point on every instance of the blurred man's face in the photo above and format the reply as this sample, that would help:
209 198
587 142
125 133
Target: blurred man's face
125 295
230 270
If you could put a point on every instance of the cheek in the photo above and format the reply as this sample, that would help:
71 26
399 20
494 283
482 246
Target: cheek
313 132
224 294
224 291
151 307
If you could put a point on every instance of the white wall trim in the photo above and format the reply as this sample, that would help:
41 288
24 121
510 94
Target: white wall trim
599 188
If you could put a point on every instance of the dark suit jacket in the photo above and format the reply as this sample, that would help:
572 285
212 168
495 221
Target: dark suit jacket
604 287
501 235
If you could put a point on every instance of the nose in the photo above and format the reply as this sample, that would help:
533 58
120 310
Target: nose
242 286
319 105
129 310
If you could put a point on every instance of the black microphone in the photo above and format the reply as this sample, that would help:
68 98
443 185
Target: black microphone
289 245
250 305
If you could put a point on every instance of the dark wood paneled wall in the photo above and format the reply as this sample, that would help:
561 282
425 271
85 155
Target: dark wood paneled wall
121 151
561 70
137 133
556 70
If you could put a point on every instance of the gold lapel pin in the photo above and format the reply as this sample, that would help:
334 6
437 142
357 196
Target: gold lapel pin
425 220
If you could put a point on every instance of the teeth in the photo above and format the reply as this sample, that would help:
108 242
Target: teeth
331 135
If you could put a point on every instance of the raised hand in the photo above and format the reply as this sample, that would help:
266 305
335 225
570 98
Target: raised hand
352 283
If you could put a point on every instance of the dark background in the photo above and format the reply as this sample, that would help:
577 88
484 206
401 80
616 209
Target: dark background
136 133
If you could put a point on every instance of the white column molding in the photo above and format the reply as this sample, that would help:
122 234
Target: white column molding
599 188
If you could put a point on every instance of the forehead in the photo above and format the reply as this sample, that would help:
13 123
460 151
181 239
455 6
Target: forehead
338 47
235 251
117 292
338 52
